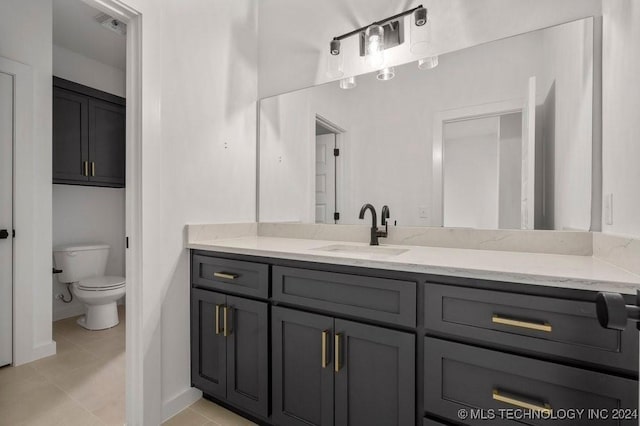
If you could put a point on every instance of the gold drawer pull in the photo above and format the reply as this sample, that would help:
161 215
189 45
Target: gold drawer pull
546 327
218 319
545 409
93 168
337 352
86 168
325 334
225 275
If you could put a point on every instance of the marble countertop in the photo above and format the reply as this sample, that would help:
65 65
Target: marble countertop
552 270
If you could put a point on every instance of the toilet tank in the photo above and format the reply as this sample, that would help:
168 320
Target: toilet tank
79 261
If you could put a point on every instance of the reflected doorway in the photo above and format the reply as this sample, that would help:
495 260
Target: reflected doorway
328 164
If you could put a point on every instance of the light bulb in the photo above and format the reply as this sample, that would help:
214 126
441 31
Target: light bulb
348 83
374 43
428 63
386 74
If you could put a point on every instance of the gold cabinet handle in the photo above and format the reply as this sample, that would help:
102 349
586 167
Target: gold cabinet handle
225 275
325 335
225 328
217 319
546 327
93 168
336 361
85 165
545 409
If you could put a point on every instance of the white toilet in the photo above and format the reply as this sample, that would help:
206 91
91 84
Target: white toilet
84 266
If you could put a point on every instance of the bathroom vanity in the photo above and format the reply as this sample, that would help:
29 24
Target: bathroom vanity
299 332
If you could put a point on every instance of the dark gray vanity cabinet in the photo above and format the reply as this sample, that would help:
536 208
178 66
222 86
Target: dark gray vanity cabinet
330 371
302 368
229 349
89 136
312 344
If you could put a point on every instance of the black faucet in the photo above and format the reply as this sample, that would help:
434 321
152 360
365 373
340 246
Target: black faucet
375 233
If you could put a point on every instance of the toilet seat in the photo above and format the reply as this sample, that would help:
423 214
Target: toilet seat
101 283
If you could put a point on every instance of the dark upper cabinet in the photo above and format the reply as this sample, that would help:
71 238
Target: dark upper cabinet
303 372
106 142
70 136
330 371
89 137
229 349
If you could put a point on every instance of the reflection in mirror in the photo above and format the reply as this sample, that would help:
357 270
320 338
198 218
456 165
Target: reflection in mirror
496 136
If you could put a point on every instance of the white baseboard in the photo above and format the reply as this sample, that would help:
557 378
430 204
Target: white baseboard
69 312
179 402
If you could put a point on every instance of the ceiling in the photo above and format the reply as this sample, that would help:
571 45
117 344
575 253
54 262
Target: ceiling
75 28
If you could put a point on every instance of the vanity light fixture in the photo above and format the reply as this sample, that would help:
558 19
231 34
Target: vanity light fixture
428 63
386 74
380 35
348 83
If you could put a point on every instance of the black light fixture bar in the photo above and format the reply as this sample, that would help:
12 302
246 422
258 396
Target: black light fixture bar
383 21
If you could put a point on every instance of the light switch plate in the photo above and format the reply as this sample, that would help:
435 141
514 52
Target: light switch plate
423 212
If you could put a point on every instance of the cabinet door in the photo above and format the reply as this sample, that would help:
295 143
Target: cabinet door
70 137
302 373
247 326
208 344
107 142
375 382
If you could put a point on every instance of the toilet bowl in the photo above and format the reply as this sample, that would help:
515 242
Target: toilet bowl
100 295
83 267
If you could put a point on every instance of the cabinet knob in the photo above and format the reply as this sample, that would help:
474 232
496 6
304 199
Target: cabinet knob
614 313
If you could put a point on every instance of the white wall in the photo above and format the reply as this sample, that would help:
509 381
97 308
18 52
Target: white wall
84 214
470 176
199 62
294 35
568 59
81 69
25 36
621 103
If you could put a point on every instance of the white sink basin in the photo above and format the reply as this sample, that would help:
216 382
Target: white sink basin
366 250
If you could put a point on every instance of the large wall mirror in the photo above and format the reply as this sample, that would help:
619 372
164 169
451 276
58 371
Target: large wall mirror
497 136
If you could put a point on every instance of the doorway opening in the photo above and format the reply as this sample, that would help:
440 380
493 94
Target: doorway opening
328 171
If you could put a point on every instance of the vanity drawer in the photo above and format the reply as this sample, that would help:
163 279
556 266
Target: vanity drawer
460 377
234 276
558 327
380 299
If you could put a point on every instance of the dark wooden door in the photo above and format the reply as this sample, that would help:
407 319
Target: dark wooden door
208 344
247 327
375 382
107 142
70 137
302 377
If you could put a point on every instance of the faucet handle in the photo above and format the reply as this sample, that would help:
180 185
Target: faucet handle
385 215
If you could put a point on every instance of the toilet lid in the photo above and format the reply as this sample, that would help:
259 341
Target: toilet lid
101 283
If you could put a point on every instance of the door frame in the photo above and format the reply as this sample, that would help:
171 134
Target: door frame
134 353
452 115
340 137
22 124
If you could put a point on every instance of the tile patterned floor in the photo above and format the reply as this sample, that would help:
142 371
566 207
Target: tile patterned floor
83 385
206 413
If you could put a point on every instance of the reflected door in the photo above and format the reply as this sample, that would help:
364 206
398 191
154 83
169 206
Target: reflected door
325 178
6 217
